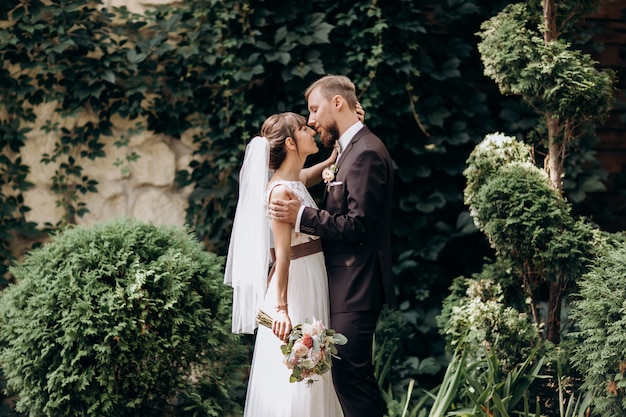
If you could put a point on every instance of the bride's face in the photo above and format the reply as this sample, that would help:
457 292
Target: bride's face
305 136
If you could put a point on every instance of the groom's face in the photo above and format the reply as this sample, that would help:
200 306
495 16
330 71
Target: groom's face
321 118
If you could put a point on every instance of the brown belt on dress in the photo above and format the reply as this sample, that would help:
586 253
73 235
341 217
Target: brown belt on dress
303 249
297 251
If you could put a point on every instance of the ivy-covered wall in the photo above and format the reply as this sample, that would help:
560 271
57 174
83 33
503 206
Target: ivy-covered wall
135 179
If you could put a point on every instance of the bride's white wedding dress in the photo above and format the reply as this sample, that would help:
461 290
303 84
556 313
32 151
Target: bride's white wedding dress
270 394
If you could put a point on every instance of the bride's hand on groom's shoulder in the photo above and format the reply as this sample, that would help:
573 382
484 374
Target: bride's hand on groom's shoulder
360 112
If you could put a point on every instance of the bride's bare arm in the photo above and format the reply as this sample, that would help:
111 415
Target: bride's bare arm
282 245
313 174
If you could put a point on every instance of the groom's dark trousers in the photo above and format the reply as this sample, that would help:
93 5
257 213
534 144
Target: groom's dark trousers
353 373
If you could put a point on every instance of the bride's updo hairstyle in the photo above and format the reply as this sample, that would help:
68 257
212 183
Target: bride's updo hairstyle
277 128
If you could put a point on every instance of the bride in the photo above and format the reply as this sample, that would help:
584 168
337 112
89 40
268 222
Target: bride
297 290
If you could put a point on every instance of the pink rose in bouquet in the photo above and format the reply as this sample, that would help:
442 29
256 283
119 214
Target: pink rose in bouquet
300 350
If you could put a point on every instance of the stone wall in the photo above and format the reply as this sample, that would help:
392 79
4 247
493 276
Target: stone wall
144 189
137 6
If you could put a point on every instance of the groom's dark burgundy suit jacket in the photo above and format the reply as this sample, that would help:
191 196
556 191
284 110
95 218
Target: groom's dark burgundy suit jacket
354 224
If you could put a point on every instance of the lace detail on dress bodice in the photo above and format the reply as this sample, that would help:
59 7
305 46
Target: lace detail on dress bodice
299 189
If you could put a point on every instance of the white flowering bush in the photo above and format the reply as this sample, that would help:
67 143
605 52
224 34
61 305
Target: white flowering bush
485 317
529 224
492 153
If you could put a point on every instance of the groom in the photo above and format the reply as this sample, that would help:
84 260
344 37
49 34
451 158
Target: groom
354 224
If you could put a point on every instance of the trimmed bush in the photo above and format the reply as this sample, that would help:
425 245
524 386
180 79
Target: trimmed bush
495 151
526 220
120 319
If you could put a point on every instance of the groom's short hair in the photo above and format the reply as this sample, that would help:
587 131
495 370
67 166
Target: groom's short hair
332 85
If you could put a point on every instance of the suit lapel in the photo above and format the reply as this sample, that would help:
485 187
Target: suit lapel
364 130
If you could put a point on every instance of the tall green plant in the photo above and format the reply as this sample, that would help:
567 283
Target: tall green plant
523 51
497 394
528 224
120 319
541 248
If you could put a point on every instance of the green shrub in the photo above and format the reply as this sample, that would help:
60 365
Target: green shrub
529 223
551 76
526 220
599 310
542 250
120 319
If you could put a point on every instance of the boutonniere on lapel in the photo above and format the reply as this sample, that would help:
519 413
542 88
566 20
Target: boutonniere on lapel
328 174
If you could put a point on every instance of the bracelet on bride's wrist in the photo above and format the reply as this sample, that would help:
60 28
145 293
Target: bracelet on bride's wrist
281 307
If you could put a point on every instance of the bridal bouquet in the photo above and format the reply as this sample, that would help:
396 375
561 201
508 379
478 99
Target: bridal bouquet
309 349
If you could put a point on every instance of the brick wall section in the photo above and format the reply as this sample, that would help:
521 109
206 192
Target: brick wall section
611 151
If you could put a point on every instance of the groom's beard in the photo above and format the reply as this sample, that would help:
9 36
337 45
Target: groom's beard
330 136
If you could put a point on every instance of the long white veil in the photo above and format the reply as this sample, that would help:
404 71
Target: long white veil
248 252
